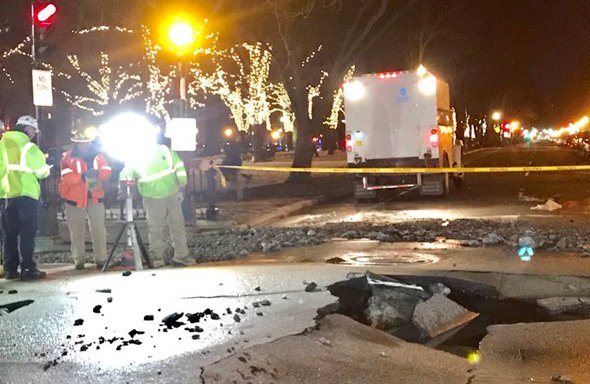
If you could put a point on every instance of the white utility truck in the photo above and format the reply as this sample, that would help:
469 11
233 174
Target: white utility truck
400 120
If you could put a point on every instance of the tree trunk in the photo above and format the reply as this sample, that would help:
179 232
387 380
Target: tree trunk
331 141
303 143
258 135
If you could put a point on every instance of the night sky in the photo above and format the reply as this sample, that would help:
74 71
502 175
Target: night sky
528 58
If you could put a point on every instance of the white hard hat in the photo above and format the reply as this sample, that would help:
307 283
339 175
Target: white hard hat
29 121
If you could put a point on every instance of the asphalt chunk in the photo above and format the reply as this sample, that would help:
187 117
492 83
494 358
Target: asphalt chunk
196 337
237 318
109 299
135 332
148 318
12 292
265 303
97 309
311 287
257 289
126 273
78 322
104 290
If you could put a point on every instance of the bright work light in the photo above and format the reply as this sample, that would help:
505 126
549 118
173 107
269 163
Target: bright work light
427 85
354 90
129 137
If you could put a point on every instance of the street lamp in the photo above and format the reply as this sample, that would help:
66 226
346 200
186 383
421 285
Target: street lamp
496 116
180 35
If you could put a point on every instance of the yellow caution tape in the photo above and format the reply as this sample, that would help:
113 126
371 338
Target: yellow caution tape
545 168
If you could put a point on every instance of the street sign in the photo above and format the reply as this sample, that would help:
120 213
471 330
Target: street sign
183 133
42 88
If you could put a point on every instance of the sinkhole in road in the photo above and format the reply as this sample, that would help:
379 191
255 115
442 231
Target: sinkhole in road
375 303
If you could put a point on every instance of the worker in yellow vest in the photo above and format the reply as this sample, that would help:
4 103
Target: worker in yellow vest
26 165
160 180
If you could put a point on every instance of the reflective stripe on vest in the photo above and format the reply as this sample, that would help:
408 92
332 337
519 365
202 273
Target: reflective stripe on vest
161 174
22 167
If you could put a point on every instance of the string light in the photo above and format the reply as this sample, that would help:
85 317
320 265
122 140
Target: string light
158 84
105 89
17 50
244 91
102 28
313 92
311 56
338 102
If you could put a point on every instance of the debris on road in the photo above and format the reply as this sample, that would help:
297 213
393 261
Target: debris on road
97 308
415 312
109 299
561 379
265 303
234 243
550 205
172 320
135 332
11 307
528 199
439 315
566 305
237 318
148 318
126 273
311 287
105 290
492 239
78 322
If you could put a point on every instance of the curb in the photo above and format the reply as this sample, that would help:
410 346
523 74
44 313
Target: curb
292 209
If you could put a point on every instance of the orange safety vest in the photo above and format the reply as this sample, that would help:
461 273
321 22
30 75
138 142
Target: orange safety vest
72 186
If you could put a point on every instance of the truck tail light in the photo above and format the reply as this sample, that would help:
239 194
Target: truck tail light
434 138
348 143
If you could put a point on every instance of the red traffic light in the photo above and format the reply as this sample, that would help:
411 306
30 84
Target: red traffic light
43 14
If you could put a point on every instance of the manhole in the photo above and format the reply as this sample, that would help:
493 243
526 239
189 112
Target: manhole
384 258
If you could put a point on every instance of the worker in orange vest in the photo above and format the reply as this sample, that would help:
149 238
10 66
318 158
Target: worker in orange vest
83 172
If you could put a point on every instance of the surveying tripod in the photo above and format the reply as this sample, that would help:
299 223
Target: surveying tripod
133 237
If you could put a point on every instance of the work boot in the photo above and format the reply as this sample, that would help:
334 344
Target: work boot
11 275
32 274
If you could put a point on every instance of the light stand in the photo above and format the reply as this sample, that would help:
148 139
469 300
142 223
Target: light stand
133 237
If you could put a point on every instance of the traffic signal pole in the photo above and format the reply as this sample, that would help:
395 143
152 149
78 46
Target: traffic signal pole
48 225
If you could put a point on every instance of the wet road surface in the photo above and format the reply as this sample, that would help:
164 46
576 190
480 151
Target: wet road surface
487 195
